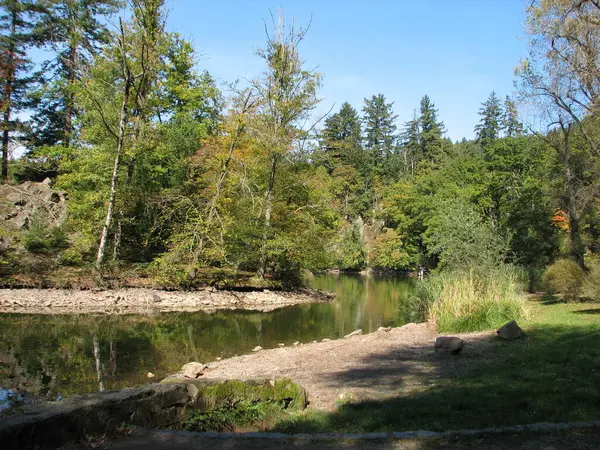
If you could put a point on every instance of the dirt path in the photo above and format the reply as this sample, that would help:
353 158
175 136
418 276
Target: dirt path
147 301
575 439
372 366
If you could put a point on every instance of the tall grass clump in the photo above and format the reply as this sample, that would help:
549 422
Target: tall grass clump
473 300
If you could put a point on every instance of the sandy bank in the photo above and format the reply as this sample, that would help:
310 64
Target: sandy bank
148 301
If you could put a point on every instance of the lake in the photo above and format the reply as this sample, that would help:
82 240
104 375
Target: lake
48 357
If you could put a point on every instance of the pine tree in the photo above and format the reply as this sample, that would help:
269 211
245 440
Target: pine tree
18 20
510 120
379 129
431 131
410 144
488 128
76 31
341 137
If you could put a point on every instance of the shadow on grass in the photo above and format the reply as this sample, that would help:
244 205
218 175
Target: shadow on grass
588 311
551 376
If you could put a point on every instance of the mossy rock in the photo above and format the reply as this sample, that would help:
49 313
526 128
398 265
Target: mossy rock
215 394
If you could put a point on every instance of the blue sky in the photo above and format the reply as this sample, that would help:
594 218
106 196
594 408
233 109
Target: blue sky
456 51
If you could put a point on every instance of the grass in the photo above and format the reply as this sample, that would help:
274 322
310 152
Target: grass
552 375
471 301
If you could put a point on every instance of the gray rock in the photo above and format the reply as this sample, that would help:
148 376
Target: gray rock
156 298
354 333
510 331
193 370
258 348
448 345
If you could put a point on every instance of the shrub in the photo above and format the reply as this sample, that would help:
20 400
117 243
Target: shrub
566 277
462 301
591 284
40 239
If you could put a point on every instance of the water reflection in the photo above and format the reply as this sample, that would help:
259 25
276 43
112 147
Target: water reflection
48 356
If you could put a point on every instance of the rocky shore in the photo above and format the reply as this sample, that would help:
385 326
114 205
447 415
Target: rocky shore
148 301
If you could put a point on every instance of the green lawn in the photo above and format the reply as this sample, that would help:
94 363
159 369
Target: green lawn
552 375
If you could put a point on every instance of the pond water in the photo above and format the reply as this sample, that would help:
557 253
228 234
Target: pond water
49 357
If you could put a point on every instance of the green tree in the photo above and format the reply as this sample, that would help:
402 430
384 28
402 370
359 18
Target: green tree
511 124
432 131
18 32
286 95
341 138
379 130
411 145
489 126
75 31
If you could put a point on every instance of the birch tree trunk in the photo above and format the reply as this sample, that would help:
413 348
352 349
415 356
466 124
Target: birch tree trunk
268 210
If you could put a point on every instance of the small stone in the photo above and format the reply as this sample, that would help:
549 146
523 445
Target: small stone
314 342
281 345
386 329
297 343
156 298
193 370
510 331
354 333
325 340
449 345
150 375
258 348
219 358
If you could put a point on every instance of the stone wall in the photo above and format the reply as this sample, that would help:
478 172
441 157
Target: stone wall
153 406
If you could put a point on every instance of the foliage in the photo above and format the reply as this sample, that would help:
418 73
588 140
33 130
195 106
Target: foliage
41 239
566 277
389 252
591 284
460 238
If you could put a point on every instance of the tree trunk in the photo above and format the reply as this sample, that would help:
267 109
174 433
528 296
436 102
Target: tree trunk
268 209
10 75
577 248
98 361
69 100
114 177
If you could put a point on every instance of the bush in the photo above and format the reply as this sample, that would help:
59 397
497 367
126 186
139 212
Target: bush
565 277
470 300
591 284
40 239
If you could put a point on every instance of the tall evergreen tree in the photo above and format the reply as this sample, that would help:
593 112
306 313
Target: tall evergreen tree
18 19
379 129
488 128
410 143
341 137
75 30
510 120
431 132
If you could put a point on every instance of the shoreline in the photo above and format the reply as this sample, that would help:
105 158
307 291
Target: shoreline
150 301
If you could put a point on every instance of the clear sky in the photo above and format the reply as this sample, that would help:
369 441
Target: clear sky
455 51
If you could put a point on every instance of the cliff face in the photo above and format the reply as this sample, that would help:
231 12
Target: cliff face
23 203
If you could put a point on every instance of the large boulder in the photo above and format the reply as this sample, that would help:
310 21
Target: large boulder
448 345
193 370
510 331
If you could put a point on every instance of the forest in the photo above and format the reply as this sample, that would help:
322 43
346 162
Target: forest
172 176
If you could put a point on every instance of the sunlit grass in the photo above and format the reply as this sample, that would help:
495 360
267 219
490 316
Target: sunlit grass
551 375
